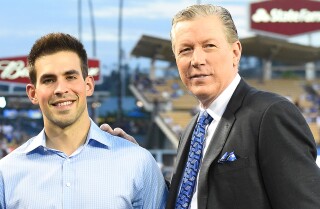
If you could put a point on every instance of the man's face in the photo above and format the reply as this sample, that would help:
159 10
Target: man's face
207 63
60 89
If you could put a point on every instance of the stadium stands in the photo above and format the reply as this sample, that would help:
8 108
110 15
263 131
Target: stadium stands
175 110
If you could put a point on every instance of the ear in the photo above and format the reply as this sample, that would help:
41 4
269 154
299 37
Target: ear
89 85
31 92
237 49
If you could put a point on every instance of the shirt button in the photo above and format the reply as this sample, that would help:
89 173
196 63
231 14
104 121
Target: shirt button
68 184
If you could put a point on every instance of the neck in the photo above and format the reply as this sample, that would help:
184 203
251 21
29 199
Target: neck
67 139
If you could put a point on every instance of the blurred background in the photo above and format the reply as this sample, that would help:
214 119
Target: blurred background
138 86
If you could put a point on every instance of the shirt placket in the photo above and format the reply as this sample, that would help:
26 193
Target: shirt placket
67 183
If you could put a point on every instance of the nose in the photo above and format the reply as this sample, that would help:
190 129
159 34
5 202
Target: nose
198 57
61 88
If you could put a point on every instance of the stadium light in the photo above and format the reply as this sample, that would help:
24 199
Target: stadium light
94 50
80 20
3 102
139 104
119 113
93 29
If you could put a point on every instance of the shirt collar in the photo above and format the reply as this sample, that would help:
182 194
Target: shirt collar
218 106
35 142
95 134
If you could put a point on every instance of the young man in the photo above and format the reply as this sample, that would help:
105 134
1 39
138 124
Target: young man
72 163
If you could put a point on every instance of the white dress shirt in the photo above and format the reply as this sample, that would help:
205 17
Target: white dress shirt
215 110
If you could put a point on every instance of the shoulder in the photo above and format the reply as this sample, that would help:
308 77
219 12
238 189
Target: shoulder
15 155
273 107
137 159
254 94
256 104
122 146
264 99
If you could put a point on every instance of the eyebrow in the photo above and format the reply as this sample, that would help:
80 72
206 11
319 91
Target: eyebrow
69 72
45 76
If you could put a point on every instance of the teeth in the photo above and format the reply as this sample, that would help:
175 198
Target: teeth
64 104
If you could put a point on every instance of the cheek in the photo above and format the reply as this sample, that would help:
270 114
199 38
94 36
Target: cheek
42 100
81 91
43 95
227 59
183 74
183 67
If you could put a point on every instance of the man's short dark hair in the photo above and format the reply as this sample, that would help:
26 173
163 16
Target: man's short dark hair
53 43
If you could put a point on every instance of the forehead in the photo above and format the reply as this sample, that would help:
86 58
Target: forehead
57 63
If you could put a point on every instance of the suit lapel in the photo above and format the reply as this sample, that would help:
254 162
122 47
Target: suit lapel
214 149
218 141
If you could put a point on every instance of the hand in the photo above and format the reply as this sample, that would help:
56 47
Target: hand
118 132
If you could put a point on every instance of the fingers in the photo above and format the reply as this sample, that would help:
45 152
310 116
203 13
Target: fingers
117 132
123 134
105 127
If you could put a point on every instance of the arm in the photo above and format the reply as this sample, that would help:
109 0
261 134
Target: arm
2 196
287 154
154 191
117 132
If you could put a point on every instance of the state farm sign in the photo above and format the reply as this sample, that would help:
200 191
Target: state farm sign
14 70
285 17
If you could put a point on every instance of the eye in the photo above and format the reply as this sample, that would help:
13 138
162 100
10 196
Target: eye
209 46
47 81
184 50
71 77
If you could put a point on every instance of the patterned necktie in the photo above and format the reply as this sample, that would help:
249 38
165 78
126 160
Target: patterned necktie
193 163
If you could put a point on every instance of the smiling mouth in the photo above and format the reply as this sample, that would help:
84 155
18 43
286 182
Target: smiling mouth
62 104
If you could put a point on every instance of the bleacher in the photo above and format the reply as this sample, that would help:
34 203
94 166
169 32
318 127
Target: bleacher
315 131
176 104
290 88
176 118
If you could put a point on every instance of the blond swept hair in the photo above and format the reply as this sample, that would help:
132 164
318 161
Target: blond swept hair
204 10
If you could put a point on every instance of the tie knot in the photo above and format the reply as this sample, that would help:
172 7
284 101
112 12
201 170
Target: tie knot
205 119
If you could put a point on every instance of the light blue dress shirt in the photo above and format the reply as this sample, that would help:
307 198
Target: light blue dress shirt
106 172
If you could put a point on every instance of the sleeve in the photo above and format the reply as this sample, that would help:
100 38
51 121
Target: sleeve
2 194
287 156
154 190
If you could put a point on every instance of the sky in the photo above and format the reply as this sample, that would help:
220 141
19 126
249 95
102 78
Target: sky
23 22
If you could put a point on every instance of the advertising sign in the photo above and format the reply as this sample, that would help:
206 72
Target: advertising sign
285 17
14 70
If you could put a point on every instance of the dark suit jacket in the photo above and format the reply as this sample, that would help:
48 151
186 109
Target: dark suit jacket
276 157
